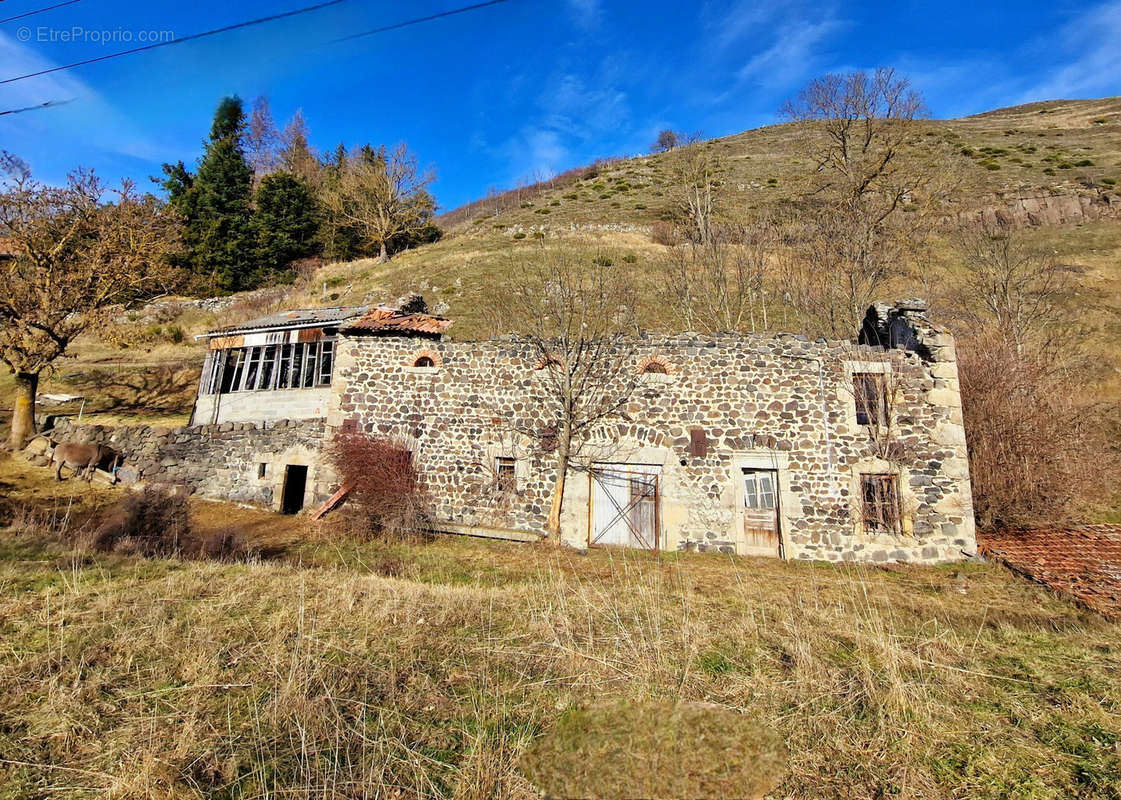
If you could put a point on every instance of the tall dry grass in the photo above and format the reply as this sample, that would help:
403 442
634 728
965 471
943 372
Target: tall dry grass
128 678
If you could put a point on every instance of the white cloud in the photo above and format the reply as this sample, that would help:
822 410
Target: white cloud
1093 38
574 117
744 17
587 13
790 56
89 123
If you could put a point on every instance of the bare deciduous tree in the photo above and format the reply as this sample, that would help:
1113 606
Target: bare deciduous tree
295 154
837 265
666 140
1039 453
579 322
383 194
75 256
696 177
855 235
721 284
867 120
262 140
1021 289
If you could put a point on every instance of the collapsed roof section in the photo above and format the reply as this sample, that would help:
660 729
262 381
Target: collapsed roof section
294 319
408 316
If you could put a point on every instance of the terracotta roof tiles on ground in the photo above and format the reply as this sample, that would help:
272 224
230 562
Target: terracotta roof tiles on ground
1083 561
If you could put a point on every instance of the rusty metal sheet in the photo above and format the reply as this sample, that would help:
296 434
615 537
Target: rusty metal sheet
226 342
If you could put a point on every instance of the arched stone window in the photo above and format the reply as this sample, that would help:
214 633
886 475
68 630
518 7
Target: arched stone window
655 365
426 360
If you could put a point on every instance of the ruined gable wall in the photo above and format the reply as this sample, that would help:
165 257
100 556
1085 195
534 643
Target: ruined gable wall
778 398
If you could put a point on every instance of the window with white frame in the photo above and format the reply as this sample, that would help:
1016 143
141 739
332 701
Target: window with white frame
870 393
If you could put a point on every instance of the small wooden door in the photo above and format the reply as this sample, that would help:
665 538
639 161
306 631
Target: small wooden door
760 512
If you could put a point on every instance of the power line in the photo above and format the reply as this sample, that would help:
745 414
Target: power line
227 28
418 20
48 104
170 42
39 11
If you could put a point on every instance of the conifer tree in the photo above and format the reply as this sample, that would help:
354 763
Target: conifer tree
285 223
215 203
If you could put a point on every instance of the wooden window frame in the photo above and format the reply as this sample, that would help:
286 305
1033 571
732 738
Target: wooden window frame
506 474
875 498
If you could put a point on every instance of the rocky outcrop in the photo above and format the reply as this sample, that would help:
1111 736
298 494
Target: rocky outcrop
1043 209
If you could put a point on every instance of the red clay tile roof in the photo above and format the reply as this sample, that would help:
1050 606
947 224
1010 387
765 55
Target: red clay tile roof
1083 561
388 320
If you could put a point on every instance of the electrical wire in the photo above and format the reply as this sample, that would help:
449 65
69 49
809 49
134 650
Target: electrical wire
371 32
48 104
39 11
417 21
192 37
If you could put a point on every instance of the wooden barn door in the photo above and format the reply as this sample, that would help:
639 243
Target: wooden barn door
760 512
625 506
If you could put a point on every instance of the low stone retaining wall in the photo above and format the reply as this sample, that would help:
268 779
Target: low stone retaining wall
239 461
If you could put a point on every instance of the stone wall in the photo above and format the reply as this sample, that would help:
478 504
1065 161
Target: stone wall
760 401
221 461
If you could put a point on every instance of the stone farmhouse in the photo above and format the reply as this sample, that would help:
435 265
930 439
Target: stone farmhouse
753 444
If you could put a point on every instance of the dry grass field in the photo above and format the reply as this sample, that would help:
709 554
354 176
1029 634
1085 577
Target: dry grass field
333 668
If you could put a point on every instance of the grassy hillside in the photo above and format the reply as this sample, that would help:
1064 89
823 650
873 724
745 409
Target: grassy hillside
342 669
1065 147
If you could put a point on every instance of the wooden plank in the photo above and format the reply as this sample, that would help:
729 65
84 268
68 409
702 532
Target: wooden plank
333 501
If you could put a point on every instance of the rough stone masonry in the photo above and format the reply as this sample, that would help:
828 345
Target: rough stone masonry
719 412
754 444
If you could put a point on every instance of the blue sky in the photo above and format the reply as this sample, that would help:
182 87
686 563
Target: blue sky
521 89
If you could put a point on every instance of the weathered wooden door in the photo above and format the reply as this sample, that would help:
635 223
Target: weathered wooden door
760 512
625 506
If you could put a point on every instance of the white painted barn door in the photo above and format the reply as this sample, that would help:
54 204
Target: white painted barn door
625 505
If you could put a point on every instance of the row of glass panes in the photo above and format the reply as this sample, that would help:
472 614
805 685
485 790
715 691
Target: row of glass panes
274 366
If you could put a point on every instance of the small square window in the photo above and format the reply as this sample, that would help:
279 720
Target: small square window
881 508
871 398
262 469
505 475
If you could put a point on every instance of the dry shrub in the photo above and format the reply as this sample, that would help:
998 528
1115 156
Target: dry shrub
1038 454
225 544
306 268
665 233
386 498
153 522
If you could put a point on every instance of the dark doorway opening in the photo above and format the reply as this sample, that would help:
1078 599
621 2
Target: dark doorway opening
295 481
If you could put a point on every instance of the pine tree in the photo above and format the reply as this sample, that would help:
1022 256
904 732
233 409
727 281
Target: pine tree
285 224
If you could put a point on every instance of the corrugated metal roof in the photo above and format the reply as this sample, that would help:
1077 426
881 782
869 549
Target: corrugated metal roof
390 321
296 318
1083 561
